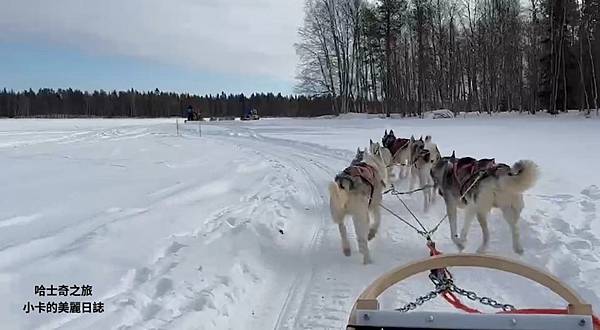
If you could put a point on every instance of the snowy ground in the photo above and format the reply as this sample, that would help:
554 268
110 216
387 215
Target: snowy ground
231 230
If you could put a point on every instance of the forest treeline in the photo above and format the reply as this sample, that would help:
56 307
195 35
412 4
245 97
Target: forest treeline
464 55
75 103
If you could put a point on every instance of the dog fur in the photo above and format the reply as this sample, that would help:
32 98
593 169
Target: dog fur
358 157
422 163
504 190
353 196
386 157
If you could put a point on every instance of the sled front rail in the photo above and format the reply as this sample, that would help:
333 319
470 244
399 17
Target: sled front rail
388 320
366 313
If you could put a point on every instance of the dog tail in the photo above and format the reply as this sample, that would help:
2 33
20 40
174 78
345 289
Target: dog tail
338 197
522 176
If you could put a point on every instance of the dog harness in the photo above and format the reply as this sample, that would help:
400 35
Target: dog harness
398 145
364 171
467 170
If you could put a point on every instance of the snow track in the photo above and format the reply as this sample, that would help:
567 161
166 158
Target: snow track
310 163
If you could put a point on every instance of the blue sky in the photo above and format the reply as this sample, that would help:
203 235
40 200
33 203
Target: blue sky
24 66
196 46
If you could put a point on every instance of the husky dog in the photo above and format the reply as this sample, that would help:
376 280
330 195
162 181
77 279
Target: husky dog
358 158
384 154
422 162
487 185
400 149
357 191
415 147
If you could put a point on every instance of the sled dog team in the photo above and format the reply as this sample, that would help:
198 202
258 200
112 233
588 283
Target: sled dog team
475 185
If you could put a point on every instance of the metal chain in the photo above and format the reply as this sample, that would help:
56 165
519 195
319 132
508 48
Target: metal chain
482 300
445 284
423 299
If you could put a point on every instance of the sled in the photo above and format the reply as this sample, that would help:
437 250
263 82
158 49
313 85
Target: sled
366 313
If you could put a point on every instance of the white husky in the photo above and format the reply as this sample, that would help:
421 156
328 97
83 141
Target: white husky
487 185
357 191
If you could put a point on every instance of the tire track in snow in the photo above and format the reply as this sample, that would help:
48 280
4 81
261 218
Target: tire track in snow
292 155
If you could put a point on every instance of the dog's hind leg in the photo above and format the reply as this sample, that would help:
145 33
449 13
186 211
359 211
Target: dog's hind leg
451 211
485 232
426 191
376 222
361 227
344 236
512 215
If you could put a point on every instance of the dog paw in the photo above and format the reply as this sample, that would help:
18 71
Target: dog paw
482 250
460 243
518 250
372 233
367 260
347 252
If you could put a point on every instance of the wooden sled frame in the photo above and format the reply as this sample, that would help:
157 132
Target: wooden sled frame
368 298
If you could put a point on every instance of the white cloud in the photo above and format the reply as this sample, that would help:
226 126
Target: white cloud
229 36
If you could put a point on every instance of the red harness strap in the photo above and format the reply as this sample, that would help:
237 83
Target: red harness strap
450 297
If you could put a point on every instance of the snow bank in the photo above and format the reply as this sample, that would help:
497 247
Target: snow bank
438 114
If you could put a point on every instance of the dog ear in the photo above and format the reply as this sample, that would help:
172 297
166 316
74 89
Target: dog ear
358 150
391 132
370 142
412 138
385 132
428 138
453 154
421 138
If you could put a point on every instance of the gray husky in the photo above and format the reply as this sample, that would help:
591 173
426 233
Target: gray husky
358 191
358 157
480 185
